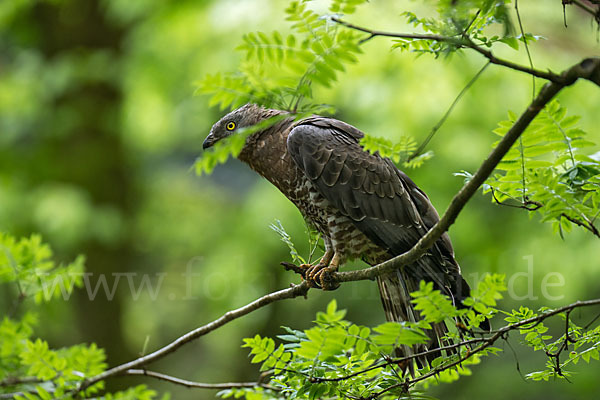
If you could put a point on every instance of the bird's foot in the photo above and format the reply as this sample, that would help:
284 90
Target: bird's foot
324 277
320 275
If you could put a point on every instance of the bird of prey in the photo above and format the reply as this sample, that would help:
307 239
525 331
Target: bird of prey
361 203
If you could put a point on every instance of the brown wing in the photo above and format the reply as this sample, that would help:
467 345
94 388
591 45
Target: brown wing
379 198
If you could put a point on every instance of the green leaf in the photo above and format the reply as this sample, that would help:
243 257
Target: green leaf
394 334
433 306
545 171
511 41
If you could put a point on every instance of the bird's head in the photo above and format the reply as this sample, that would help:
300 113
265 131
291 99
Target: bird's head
246 115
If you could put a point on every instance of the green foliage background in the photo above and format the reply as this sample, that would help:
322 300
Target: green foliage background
99 130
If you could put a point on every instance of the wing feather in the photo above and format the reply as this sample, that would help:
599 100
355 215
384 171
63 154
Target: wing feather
384 203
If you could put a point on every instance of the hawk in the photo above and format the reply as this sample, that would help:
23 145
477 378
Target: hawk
361 203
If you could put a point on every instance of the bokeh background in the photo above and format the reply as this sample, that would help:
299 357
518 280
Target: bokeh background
99 129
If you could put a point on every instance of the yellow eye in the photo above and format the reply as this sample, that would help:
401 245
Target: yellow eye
230 126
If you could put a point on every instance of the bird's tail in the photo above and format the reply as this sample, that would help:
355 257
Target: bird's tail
395 288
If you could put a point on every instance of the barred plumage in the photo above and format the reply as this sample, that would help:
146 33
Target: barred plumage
361 203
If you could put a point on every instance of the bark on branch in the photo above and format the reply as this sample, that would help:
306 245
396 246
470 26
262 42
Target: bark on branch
294 291
197 385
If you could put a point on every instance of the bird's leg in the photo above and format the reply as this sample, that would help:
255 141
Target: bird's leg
323 276
319 275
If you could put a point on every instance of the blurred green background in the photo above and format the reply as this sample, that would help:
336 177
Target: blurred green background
99 128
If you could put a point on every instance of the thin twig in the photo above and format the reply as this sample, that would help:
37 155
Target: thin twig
499 334
585 328
532 205
14 381
526 47
525 204
564 346
294 291
491 340
533 91
396 360
197 385
466 30
585 7
584 224
465 41
447 113
11 396
514 353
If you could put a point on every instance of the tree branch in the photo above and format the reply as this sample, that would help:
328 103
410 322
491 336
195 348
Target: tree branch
294 291
397 360
11 396
197 385
439 124
464 41
485 342
14 381
585 7
531 205
587 224
491 340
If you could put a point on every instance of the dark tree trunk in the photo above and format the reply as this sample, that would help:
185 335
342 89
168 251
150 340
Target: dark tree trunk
88 152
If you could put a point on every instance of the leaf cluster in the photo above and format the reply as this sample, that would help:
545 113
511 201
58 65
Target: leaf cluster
549 172
280 70
27 264
313 240
29 368
399 152
584 343
460 24
336 358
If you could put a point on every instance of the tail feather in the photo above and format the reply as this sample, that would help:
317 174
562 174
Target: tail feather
395 289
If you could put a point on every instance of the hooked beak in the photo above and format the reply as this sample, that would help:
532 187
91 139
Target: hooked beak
208 142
